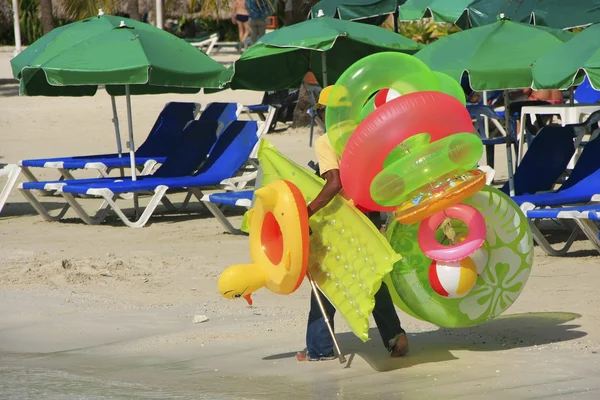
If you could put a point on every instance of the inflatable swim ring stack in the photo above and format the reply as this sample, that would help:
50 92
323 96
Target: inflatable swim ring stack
458 253
407 146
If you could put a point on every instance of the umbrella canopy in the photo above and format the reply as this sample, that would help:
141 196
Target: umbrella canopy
74 59
352 10
495 56
127 56
281 59
567 64
560 14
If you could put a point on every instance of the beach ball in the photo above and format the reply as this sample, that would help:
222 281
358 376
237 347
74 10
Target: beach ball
453 279
385 95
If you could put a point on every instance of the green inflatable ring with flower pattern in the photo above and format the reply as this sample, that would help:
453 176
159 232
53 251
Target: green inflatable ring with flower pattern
501 277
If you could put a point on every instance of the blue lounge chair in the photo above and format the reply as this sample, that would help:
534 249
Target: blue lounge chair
226 157
166 130
233 199
586 94
479 113
164 135
582 186
584 217
545 161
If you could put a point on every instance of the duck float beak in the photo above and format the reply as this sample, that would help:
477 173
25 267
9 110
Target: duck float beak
248 298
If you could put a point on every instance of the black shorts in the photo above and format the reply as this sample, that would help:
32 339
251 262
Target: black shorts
241 17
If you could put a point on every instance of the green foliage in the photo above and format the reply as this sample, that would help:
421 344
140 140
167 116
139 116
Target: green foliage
80 9
425 30
31 26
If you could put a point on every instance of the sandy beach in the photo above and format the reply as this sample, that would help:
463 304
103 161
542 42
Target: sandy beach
99 312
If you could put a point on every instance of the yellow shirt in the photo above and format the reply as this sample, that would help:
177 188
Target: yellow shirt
326 155
328 159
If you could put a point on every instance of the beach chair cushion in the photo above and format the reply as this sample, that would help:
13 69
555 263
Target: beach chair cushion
167 129
227 156
587 163
190 150
545 161
240 199
222 113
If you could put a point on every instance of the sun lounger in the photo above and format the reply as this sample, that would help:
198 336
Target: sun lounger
479 113
233 199
265 112
545 161
583 217
11 172
226 157
166 130
582 186
204 43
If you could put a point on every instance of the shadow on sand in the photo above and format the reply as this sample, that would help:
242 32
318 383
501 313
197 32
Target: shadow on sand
503 333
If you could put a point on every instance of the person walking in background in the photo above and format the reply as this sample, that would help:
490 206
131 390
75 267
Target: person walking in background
288 19
240 17
259 10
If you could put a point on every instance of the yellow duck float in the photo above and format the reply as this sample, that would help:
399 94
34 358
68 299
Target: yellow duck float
278 244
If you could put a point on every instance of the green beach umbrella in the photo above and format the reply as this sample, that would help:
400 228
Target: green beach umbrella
366 11
560 14
567 64
124 55
325 46
495 56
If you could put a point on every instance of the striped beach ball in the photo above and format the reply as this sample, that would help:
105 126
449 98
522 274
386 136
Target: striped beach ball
453 280
385 95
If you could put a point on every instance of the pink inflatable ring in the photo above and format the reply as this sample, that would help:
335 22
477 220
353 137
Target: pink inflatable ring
435 113
453 253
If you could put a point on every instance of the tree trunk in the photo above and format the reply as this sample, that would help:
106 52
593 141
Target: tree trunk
299 13
133 9
46 15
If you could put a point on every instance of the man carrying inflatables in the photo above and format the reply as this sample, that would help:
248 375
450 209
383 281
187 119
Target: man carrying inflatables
319 342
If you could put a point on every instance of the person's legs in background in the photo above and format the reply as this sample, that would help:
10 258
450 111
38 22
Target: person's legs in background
258 28
288 20
243 29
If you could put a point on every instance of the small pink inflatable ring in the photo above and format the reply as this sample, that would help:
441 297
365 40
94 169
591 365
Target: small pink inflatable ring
439 252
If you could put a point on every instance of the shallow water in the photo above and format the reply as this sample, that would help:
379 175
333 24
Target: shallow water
24 383
21 381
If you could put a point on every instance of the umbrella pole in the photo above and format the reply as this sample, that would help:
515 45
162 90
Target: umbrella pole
115 121
159 14
486 121
16 26
509 161
131 146
571 96
396 18
313 285
324 68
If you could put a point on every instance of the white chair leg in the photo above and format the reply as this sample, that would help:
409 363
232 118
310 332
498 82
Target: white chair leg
546 246
590 230
109 198
12 171
214 210
45 214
